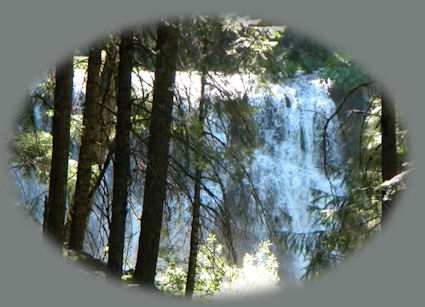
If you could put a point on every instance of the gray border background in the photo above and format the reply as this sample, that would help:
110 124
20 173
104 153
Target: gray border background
386 36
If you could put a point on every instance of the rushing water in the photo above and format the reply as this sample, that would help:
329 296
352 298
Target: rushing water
290 165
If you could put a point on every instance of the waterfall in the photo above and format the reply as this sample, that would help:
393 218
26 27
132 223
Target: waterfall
285 170
290 164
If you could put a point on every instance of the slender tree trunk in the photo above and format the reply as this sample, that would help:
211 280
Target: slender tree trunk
56 202
108 99
389 150
157 159
196 206
87 155
45 213
228 236
105 121
122 157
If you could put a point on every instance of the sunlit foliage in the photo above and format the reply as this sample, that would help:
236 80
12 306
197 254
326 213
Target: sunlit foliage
217 278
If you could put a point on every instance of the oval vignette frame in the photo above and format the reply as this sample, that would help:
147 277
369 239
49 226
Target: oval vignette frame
348 270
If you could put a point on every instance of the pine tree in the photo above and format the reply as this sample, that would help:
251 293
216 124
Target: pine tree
196 205
388 150
122 156
55 205
87 154
157 159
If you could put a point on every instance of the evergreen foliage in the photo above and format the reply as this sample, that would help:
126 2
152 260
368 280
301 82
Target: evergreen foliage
217 277
212 139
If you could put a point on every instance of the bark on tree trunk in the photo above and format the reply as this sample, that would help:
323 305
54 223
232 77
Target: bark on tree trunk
195 231
122 158
87 155
54 225
157 159
389 150
108 99
227 233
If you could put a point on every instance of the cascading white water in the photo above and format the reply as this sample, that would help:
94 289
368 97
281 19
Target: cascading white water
291 119
290 164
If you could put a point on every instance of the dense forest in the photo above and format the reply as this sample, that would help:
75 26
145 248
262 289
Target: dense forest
208 156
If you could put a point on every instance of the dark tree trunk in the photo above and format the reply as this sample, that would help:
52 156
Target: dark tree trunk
194 236
87 155
389 150
56 202
227 233
122 157
45 213
157 159
196 206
